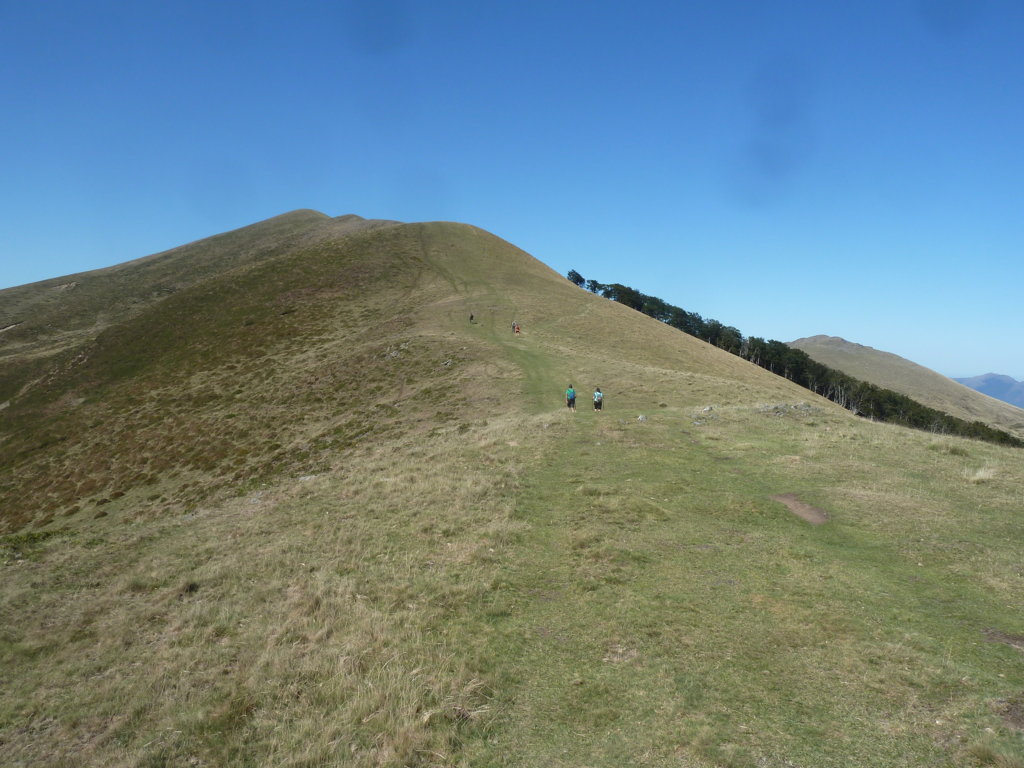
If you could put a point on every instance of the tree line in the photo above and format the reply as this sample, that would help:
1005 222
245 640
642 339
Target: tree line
859 397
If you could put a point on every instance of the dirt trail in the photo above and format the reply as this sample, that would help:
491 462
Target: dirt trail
812 515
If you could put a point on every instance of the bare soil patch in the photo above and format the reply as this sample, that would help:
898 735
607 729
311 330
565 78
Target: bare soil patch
804 511
1012 712
995 636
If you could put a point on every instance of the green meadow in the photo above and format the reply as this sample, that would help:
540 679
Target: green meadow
302 512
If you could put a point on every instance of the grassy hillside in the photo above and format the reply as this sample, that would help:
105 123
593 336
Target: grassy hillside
47 316
303 512
890 371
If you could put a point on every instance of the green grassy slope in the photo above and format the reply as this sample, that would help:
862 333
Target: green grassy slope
303 512
45 324
890 371
53 313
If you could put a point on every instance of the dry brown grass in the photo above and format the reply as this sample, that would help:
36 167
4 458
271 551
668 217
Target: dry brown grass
980 475
303 623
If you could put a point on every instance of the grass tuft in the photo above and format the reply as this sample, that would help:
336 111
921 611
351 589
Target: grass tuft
980 475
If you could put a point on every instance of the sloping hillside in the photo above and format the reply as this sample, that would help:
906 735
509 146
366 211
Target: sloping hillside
281 342
304 511
893 372
44 319
48 316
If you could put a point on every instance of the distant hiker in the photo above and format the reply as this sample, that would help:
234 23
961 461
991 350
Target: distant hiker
515 328
570 398
598 399
471 317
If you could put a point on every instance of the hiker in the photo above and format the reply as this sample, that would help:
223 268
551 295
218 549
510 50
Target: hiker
515 327
570 398
471 317
598 399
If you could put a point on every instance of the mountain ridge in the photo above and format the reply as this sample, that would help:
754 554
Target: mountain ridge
67 309
1000 386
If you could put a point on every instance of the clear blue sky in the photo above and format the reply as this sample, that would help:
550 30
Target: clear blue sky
789 168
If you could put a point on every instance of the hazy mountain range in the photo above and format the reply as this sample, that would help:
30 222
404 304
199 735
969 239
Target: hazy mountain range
1004 388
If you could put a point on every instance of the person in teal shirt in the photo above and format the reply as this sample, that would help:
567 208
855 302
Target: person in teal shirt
598 399
570 398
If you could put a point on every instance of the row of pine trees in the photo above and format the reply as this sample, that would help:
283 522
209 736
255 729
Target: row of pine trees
860 397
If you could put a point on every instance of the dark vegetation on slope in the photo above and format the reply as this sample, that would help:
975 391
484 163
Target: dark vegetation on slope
264 366
860 397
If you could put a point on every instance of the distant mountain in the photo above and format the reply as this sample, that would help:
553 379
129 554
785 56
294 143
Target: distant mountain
893 372
1004 388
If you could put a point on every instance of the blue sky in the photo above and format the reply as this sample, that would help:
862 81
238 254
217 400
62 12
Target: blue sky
788 168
